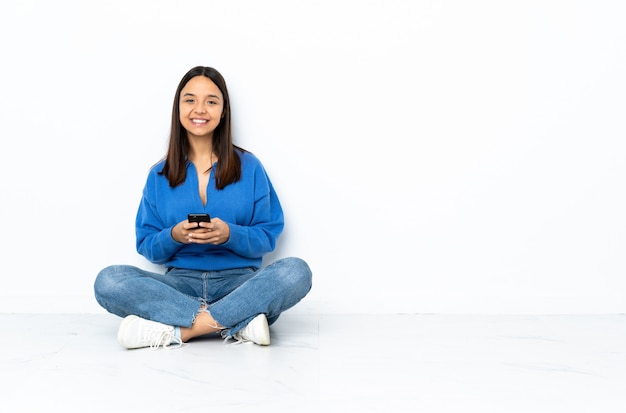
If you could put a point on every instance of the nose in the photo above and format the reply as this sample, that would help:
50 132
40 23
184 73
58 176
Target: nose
199 108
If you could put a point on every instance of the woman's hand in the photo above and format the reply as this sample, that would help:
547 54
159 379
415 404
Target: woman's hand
215 232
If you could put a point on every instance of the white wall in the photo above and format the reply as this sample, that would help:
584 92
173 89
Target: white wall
431 156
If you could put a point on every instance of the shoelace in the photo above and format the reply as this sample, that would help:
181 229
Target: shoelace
238 339
161 338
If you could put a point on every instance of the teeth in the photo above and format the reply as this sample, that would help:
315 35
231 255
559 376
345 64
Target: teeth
199 121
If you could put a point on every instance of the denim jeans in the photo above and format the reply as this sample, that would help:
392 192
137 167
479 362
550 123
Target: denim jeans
233 297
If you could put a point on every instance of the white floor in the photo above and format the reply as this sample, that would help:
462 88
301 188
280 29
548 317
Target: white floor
323 363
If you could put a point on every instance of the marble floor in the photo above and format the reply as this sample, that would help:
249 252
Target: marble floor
317 363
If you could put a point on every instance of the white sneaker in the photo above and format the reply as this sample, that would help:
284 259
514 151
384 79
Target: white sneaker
136 332
257 331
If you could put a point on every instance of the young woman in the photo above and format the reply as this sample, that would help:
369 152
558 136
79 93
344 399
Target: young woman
213 280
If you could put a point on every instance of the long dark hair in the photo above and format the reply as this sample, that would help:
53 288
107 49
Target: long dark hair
229 165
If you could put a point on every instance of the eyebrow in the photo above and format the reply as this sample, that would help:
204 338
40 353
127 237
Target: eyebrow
210 96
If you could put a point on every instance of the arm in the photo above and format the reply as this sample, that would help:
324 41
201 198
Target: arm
154 237
259 237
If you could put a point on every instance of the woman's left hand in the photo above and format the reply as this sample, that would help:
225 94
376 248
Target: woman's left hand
215 232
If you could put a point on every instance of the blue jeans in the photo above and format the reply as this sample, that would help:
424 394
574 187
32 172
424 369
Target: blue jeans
233 297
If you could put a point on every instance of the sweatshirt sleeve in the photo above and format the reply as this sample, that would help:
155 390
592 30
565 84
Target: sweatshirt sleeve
154 238
266 223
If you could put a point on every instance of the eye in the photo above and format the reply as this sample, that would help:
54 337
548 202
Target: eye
188 100
212 102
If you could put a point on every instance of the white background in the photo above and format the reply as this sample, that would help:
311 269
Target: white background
431 156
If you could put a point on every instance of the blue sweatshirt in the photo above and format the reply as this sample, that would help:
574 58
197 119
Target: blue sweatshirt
249 206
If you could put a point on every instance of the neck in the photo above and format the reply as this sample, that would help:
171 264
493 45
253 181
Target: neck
200 148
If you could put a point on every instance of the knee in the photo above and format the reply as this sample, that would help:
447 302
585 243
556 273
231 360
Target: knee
299 273
107 280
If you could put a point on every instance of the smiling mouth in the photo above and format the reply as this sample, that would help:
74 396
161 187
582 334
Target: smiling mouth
199 121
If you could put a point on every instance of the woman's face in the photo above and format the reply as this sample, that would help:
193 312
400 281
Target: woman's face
201 105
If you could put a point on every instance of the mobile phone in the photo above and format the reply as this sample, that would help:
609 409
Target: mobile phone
198 218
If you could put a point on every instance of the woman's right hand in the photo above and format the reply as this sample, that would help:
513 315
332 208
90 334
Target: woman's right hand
181 232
